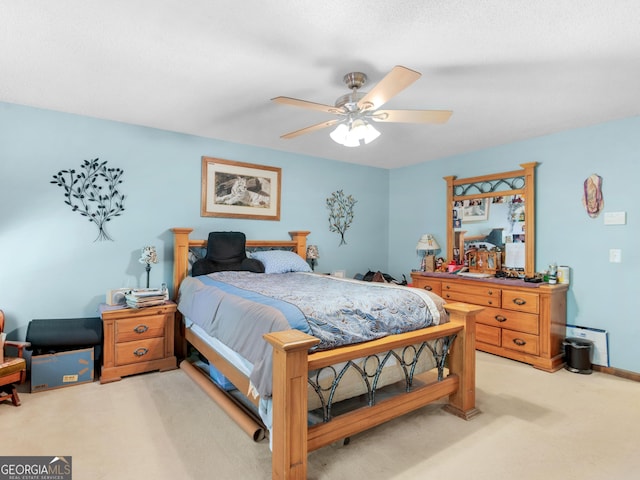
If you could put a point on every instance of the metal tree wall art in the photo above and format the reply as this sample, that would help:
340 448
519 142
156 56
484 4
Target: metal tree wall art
341 216
93 192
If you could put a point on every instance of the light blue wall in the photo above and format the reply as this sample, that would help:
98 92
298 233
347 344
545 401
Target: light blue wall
602 295
51 266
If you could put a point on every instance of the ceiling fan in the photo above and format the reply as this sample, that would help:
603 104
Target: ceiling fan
357 110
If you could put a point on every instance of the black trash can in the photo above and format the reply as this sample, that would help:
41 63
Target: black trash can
577 352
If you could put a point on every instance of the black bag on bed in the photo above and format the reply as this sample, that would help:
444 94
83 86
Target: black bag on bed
226 251
378 276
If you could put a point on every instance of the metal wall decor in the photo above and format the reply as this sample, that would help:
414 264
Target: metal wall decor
341 213
93 192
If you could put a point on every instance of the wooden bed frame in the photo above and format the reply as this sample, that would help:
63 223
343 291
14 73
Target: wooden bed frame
291 438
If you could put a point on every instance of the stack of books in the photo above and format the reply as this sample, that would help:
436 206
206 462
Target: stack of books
145 297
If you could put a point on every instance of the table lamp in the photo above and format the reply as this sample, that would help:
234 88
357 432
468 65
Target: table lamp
428 245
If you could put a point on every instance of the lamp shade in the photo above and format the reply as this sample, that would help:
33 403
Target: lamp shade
427 242
312 252
148 255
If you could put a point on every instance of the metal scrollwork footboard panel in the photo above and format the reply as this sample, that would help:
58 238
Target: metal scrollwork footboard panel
365 377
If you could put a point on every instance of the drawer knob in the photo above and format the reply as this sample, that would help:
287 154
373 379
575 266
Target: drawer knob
427 288
447 287
500 318
141 352
519 301
141 329
520 342
490 292
490 302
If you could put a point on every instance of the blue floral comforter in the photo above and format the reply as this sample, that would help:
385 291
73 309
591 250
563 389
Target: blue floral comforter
239 307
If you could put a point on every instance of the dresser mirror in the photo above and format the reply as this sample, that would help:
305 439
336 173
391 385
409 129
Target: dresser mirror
491 222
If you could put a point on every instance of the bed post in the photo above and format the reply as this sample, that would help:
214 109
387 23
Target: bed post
290 370
300 237
180 257
180 270
462 360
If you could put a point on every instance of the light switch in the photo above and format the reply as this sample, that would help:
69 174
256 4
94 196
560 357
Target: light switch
615 255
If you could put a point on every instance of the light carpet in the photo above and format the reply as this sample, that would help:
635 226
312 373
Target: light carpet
534 425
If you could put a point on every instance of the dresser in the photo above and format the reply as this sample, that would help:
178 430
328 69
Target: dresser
521 321
137 341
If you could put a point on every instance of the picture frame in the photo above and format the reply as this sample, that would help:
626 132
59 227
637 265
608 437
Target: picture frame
475 210
239 190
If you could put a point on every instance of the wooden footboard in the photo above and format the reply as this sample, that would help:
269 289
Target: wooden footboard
292 440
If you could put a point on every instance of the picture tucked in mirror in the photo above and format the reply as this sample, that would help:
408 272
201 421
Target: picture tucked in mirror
475 210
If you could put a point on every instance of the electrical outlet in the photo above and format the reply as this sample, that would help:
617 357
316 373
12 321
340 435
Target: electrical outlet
615 255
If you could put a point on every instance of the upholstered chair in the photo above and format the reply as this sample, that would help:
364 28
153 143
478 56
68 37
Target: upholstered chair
12 369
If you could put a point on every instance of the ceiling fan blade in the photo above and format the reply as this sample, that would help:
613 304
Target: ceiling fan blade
312 128
412 116
305 104
393 83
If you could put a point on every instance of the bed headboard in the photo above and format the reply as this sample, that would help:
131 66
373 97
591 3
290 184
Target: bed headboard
182 243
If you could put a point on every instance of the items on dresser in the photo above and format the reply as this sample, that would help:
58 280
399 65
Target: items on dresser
137 340
522 321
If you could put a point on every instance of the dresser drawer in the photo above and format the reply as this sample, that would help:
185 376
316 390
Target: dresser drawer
487 334
486 295
430 285
512 320
488 301
520 301
521 342
139 351
148 326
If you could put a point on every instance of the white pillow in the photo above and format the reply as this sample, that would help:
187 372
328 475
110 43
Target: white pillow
281 261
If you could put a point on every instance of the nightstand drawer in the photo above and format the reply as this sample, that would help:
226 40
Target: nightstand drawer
523 302
521 342
521 322
140 351
148 326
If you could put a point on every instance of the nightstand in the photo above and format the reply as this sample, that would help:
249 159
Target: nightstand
137 340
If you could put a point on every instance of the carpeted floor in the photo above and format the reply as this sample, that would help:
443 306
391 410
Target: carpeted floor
534 425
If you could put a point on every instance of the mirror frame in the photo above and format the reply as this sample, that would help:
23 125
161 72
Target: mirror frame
516 182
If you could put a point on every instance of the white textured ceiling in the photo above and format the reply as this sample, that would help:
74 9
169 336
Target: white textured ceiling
509 69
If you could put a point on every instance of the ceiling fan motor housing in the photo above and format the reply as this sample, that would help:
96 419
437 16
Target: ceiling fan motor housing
355 80
349 101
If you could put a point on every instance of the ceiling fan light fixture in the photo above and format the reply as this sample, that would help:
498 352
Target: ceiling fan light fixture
339 134
370 133
351 135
